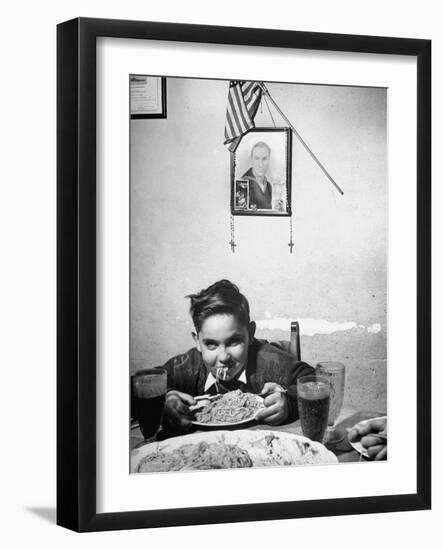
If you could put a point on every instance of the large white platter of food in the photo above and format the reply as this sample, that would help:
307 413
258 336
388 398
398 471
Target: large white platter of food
225 449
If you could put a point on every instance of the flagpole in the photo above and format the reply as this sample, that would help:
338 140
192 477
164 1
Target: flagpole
266 92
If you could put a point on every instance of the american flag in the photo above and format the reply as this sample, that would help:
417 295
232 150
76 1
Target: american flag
242 104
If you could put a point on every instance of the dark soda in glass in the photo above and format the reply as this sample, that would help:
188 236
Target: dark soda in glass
148 397
149 411
313 406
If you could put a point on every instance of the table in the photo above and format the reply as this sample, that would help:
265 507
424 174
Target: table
343 450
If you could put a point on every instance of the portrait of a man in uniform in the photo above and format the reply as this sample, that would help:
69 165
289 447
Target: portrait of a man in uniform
262 159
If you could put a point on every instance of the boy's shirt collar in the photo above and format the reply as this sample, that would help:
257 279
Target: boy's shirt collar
210 380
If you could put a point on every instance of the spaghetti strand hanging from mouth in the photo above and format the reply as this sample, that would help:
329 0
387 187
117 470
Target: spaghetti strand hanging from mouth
220 374
217 380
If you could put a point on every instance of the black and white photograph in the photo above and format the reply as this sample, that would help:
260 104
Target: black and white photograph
263 158
259 341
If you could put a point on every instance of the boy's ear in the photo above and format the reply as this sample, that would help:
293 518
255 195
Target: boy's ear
196 340
252 329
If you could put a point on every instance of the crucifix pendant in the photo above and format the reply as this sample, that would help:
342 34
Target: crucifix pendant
291 244
232 245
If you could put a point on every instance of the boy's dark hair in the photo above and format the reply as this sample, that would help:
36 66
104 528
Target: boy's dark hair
221 297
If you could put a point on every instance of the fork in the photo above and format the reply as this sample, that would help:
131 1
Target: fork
281 390
207 397
381 435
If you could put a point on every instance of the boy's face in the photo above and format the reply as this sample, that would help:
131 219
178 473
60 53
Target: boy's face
224 344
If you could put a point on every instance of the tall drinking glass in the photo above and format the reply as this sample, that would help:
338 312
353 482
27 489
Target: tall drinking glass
313 405
335 372
149 395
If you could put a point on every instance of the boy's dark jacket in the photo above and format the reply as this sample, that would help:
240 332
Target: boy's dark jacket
266 363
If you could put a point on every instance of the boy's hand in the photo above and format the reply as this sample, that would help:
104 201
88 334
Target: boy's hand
176 410
276 406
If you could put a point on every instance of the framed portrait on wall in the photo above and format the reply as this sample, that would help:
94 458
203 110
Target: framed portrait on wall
122 291
261 168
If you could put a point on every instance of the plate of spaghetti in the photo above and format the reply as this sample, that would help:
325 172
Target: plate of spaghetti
225 449
230 409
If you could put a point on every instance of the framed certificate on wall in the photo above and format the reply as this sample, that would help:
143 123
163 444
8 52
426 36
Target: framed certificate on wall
147 96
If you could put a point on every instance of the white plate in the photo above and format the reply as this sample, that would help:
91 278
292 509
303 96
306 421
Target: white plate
357 446
220 425
286 448
223 424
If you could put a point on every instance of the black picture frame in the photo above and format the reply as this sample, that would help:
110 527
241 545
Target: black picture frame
162 111
285 208
77 287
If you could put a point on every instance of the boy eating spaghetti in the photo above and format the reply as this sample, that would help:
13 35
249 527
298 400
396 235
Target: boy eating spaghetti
228 357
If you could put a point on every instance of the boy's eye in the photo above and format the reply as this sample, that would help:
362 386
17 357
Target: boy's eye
211 346
235 342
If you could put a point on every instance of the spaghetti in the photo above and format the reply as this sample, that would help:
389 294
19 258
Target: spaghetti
201 456
232 407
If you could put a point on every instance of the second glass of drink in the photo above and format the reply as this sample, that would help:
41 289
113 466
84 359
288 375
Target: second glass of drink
313 405
149 393
335 372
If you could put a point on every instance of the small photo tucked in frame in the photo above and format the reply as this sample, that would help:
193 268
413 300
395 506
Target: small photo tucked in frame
241 194
261 164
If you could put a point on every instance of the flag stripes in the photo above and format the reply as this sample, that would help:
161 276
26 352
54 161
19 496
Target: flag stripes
242 104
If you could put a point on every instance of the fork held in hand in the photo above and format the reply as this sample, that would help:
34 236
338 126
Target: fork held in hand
207 397
279 390
381 435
